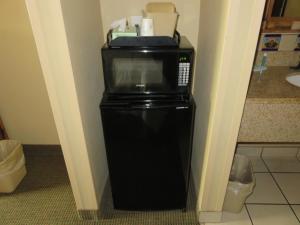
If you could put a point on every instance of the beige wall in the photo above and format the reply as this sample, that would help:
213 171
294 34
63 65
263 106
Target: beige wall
188 14
85 38
226 48
210 44
24 103
68 36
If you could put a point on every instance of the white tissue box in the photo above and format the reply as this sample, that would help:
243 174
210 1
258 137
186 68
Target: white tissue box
129 32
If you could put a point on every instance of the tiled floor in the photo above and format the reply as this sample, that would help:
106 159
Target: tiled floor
276 197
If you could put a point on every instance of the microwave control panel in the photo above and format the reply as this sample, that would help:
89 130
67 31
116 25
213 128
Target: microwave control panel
183 71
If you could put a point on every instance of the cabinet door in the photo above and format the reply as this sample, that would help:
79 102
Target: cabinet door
148 151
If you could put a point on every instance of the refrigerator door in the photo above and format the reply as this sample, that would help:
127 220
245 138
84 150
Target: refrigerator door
148 150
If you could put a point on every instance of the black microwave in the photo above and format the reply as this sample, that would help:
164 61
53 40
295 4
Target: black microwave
155 70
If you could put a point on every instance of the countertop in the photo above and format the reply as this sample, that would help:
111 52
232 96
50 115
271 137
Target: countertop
272 86
272 109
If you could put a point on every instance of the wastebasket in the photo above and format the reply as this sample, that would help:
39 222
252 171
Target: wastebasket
12 165
241 184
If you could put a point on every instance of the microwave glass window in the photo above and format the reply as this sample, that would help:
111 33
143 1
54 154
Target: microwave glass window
137 72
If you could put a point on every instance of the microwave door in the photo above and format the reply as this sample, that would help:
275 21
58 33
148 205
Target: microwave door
136 72
142 76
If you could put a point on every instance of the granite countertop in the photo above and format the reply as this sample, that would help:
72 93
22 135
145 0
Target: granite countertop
273 87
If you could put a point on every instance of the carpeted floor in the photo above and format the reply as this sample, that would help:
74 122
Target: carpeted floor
44 197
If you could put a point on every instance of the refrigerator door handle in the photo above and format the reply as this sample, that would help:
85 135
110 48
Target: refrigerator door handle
156 106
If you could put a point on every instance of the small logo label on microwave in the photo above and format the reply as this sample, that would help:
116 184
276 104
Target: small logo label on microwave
140 85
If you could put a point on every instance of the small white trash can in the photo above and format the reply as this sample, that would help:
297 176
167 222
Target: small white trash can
12 165
241 184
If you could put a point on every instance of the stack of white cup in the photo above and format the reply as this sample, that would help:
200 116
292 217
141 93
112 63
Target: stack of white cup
147 27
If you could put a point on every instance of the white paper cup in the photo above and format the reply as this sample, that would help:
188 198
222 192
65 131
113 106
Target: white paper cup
147 27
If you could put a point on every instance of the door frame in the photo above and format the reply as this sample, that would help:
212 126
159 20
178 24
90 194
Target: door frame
229 68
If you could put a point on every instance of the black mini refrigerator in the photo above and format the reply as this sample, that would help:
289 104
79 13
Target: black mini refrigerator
147 114
148 150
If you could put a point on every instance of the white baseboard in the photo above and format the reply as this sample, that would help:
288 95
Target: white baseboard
210 217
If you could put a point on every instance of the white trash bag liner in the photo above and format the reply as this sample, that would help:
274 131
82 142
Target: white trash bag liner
241 184
12 165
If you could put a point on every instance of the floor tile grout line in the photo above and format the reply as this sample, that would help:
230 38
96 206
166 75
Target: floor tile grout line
268 172
297 159
261 172
249 203
277 172
294 213
280 189
261 152
248 214
289 205
277 184
264 160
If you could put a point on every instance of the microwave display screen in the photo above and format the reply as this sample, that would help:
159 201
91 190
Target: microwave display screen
139 72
